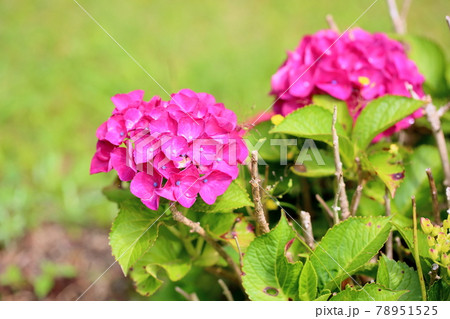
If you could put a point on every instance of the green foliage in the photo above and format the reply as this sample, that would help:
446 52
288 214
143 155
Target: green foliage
133 232
268 273
307 286
431 61
235 197
379 115
314 169
343 115
439 291
347 247
386 162
397 275
314 122
259 136
416 181
50 271
370 292
167 253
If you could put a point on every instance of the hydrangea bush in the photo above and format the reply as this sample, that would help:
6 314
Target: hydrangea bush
333 177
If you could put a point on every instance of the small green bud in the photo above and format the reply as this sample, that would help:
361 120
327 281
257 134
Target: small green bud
434 254
427 227
431 241
441 238
445 259
436 230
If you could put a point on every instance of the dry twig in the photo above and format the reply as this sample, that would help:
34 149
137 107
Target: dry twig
191 297
398 20
195 227
434 197
305 220
331 23
325 206
225 289
255 182
339 173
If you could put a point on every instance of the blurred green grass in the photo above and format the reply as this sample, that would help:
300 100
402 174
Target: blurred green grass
58 70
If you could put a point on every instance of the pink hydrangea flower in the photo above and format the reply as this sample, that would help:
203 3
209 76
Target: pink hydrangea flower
179 149
358 67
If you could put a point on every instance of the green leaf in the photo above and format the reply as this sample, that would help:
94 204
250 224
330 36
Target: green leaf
325 295
347 247
314 169
314 122
407 235
117 195
343 116
218 224
381 114
439 291
387 164
169 253
399 276
258 138
370 292
268 273
133 232
307 287
416 181
235 197
431 62
42 285
145 281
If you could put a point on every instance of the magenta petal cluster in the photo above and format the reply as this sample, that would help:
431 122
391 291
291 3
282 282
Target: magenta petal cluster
355 67
177 149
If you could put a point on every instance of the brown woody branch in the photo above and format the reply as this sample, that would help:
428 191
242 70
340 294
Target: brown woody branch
339 173
331 23
195 227
305 220
255 182
434 197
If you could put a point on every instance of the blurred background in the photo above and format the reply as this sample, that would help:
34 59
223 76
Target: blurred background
58 70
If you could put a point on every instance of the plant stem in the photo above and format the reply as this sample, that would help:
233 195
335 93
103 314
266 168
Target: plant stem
241 263
389 243
328 210
447 193
435 122
434 197
416 251
397 21
339 174
358 192
225 289
191 297
255 182
195 227
305 220
331 23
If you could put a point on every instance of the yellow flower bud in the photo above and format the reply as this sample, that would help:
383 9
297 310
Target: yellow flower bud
436 230
445 259
271 205
427 227
446 223
445 246
431 241
434 254
277 119
441 238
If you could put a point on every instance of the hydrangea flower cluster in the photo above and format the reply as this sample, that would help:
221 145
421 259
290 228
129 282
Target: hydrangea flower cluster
177 149
356 68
